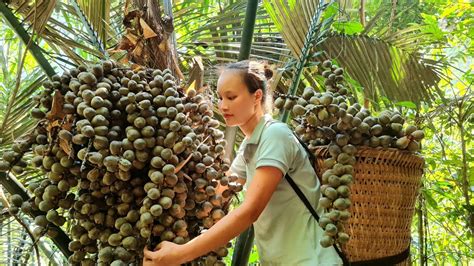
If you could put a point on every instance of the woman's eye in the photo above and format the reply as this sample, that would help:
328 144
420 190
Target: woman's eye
231 98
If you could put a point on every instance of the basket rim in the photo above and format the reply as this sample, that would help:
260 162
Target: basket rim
379 153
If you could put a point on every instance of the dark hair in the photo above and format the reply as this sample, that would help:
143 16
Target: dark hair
255 75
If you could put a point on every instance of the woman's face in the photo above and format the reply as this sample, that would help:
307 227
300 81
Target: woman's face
236 103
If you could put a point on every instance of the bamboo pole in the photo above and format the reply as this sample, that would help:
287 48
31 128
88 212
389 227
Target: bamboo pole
244 242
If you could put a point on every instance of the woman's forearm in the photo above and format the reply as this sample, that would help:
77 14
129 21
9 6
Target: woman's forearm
220 234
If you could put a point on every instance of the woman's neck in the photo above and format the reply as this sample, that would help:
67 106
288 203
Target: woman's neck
249 126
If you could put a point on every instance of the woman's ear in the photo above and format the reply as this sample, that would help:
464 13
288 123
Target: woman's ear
258 95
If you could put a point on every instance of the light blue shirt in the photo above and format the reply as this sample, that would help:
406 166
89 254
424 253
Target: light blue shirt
285 233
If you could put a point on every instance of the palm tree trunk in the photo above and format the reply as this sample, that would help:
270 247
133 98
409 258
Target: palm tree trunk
158 51
168 6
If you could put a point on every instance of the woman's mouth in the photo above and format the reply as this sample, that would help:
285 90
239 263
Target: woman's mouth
227 116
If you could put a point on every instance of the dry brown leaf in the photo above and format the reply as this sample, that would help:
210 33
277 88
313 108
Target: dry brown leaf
136 67
114 51
67 125
192 86
66 147
57 106
127 4
138 50
196 74
163 45
132 38
147 31
125 44
52 125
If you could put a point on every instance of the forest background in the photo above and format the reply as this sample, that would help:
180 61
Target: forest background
379 43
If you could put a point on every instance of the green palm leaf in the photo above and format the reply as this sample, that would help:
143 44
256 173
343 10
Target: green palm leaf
35 13
98 14
293 20
16 102
383 63
68 30
389 67
217 37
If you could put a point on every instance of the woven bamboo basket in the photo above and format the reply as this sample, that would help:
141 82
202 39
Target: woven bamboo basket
383 194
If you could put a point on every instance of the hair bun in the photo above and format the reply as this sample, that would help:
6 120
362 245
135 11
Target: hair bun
268 72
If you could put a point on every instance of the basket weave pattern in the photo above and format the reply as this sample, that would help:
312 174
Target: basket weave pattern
383 194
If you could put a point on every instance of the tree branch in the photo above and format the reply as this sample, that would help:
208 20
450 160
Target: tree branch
465 181
362 13
421 234
392 15
450 230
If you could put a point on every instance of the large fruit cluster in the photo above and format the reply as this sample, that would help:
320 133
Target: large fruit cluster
334 120
129 159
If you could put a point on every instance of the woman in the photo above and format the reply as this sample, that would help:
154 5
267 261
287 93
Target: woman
285 231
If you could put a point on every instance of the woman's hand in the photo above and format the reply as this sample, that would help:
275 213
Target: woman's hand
265 182
166 253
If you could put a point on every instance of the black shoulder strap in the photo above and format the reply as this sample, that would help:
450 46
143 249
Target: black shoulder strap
302 196
312 158
313 212
306 202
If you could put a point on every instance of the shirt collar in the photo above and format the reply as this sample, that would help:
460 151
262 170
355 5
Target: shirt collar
257 132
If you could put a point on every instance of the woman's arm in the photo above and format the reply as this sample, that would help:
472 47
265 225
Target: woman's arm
258 195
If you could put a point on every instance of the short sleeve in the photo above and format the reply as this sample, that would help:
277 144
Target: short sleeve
277 148
238 166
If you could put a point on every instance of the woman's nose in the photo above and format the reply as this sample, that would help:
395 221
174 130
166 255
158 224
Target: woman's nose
222 105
